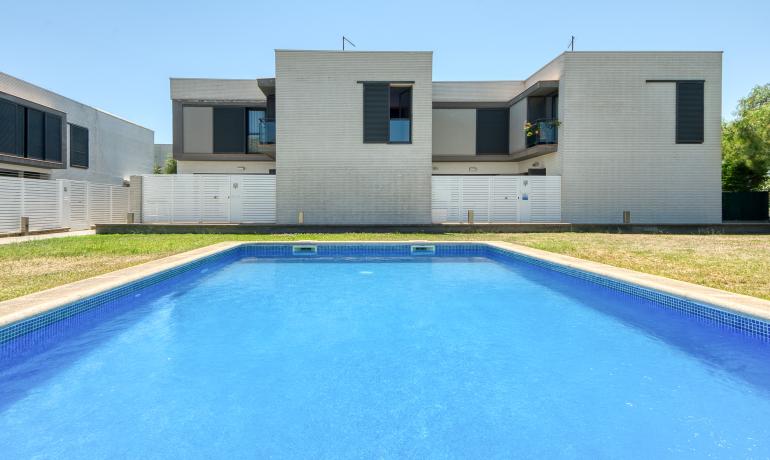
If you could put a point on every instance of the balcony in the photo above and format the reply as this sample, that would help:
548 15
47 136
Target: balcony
267 131
261 138
400 130
542 132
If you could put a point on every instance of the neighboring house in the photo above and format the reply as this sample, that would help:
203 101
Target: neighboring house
358 137
45 135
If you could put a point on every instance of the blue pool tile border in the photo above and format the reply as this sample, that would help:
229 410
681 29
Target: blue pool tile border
752 326
749 325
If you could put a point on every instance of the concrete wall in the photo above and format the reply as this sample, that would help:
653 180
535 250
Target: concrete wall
517 118
323 167
215 89
117 148
224 167
617 139
476 91
198 129
454 131
550 162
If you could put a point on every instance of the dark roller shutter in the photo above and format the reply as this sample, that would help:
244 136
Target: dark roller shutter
35 134
229 130
7 127
376 112
78 146
492 131
689 112
21 121
52 137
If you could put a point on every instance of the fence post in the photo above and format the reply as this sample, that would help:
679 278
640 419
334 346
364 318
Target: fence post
470 216
24 225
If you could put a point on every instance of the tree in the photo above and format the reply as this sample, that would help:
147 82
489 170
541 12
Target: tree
746 144
170 166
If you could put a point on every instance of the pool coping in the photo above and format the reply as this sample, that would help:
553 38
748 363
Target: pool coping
25 307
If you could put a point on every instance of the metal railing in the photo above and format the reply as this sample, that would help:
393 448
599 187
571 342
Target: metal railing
542 131
267 131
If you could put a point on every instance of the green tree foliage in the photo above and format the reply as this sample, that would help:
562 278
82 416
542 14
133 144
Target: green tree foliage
746 144
170 166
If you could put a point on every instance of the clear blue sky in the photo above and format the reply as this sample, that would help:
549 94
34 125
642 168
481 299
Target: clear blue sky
118 56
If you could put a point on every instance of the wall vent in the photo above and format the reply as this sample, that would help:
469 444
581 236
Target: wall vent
419 249
303 250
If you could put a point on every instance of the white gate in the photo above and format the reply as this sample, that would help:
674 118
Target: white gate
496 198
60 203
208 198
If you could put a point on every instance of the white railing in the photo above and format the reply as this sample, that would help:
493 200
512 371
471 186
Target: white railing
208 198
500 199
60 203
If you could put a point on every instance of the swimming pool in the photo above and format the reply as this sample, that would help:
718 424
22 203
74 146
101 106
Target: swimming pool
360 350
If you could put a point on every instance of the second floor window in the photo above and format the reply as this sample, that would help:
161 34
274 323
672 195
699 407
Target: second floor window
387 113
400 114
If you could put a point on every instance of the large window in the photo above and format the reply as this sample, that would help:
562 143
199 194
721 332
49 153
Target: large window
387 113
31 133
400 114
78 146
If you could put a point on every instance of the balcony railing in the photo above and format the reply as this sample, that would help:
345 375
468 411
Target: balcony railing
267 131
400 130
543 131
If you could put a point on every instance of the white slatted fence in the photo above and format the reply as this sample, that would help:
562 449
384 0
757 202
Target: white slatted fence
208 198
61 203
500 199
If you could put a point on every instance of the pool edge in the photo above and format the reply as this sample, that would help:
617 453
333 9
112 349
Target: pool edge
32 305
28 306
741 304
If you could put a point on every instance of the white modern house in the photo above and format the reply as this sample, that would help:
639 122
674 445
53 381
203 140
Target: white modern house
63 164
46 135
369 138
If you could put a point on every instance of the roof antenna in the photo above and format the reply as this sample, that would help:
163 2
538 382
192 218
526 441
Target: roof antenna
345 39
571 45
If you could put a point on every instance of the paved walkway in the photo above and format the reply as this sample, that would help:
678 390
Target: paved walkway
45 236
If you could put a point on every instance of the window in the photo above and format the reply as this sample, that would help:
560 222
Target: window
8 128
689 112
30 133
52 138
78 146
387 113
35 134
400 114
255 124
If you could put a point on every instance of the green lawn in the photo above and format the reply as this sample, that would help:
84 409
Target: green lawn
738 263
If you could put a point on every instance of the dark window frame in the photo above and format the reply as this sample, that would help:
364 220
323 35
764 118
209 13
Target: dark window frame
411 110
377 137
50 144
87 146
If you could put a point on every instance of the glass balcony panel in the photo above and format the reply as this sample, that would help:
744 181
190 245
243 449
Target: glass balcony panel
400 130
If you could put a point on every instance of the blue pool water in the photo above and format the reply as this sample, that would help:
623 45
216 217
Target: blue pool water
420 357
